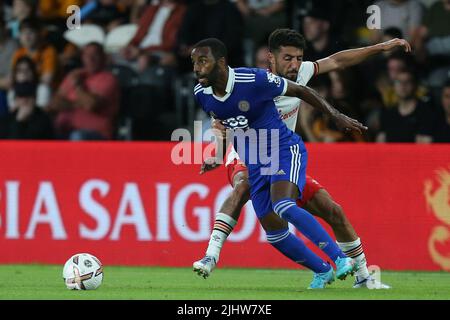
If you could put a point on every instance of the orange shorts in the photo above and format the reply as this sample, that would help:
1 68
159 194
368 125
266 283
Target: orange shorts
310 189
233 169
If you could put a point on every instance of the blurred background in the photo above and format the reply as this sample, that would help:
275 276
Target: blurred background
126 74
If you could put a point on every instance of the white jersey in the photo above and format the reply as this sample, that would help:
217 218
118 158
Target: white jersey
287 106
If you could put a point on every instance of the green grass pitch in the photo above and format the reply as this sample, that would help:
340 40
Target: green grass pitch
158 283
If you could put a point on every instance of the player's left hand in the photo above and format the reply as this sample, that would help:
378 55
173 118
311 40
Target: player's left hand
220 129
348 124
394 43
209 164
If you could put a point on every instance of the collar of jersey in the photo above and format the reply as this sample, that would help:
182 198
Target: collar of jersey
228 88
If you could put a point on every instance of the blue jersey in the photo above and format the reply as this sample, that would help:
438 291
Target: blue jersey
249 104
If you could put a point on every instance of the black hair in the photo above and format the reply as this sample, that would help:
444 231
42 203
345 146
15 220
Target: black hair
31 64
218 48
286 37
393 32
30 23
97 45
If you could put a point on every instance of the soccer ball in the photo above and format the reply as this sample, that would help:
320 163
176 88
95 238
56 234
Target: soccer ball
83 271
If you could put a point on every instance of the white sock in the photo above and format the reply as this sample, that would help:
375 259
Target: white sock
223 226
355 251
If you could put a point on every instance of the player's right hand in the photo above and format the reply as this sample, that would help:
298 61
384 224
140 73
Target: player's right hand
209 164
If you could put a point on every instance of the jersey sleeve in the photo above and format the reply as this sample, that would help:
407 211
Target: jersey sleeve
197 92
270 85
307 70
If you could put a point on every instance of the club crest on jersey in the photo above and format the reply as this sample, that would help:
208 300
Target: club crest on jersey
244 106
273 78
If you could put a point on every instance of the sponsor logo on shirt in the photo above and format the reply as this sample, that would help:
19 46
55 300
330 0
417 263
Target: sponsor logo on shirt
284 116
273 78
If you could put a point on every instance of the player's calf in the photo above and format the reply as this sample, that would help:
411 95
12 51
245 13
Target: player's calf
238 198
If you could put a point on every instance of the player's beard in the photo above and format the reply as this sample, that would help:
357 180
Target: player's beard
213 75
289 74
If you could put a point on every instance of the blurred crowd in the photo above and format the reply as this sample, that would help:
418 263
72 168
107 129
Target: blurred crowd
126 74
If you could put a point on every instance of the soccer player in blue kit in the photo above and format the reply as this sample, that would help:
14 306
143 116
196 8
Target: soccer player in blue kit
244 98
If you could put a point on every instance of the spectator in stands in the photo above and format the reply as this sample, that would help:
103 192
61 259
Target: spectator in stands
343 96
7 48
442 126
27 121
21 10
308 115
405 15
412 119
33 46
316 28
155 39
87 101
25 71
433 36
262 58
211 18
396 63
261 18
137 8
344 92
378 84
108 14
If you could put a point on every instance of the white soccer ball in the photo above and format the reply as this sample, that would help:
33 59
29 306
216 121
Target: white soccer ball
83 271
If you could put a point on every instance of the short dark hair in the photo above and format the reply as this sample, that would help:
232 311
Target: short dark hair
30 63
218 48
286 37
30 23
97 46
393 32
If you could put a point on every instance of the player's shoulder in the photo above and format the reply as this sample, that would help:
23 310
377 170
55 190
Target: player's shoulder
254 75
245 75
245 71
198 89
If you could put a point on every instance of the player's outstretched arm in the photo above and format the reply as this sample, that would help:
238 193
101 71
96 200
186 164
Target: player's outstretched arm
307 94
347 58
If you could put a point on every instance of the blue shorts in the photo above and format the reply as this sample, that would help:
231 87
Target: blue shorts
292 167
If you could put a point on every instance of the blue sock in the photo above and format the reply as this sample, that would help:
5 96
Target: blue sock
309 226
294 248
